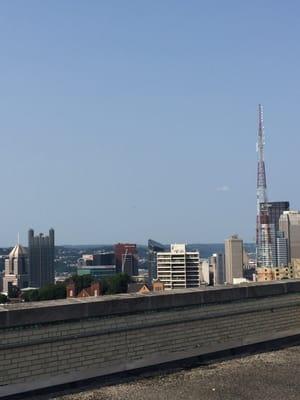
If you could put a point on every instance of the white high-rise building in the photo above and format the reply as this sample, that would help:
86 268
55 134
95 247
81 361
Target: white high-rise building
282 250
205 271
179 269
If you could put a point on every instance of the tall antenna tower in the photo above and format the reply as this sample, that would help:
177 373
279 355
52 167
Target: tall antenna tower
261 169
263 235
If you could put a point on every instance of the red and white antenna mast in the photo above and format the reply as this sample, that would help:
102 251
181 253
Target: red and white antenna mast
263 234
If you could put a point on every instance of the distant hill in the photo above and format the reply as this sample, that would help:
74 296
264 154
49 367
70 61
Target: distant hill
205 249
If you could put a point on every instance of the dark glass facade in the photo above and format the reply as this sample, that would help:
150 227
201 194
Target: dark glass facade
98 272
275 209
270 213
107 258
153 249
41 253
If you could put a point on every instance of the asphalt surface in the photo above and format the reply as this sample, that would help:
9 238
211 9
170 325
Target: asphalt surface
271 375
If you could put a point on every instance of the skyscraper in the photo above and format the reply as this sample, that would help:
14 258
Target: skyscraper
126 258
274 210
41 252
282 253
16 269
179 269
153 249
289 224
233 258
217 262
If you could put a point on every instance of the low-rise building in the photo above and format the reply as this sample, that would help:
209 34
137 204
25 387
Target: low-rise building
93 291
97 271
135 287
158 286
264 274
142 287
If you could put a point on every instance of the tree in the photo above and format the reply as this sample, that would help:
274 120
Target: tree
81 281
31 295
112 285
116 284
53 292
48 292
3 299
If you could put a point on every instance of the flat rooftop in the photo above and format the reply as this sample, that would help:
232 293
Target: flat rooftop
260 376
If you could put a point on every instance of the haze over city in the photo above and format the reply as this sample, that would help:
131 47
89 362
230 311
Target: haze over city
127 120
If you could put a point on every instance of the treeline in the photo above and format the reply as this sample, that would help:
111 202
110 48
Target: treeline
111 285
48 292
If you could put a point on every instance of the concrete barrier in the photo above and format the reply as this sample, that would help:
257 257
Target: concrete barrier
50 343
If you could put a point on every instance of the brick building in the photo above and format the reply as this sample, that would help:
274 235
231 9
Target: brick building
93 291
126 258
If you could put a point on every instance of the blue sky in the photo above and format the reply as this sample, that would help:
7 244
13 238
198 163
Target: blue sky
124 120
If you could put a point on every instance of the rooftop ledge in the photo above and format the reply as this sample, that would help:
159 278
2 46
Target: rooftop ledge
22 314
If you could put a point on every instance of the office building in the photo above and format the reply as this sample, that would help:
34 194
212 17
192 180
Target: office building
103 258
289 224
153 249
274 274
282 257
99 265
204 272
275 210
272 211
179 268
97 271
218 267
41 252
16 269
126 258
2 262
233 258
296 268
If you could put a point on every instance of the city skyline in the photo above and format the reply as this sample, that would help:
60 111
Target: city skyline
101 123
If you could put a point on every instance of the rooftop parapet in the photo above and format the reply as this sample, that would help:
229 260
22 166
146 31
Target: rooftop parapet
23 314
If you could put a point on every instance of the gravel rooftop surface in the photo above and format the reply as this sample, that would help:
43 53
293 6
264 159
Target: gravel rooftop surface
271 375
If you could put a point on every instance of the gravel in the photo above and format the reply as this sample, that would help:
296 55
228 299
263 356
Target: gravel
264 376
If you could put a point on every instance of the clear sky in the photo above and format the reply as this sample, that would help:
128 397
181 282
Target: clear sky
128 120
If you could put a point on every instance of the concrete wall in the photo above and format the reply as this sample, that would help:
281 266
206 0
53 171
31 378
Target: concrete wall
55 342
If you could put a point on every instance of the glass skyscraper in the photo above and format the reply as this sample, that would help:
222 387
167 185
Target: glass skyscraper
272 210
153 249
41 251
